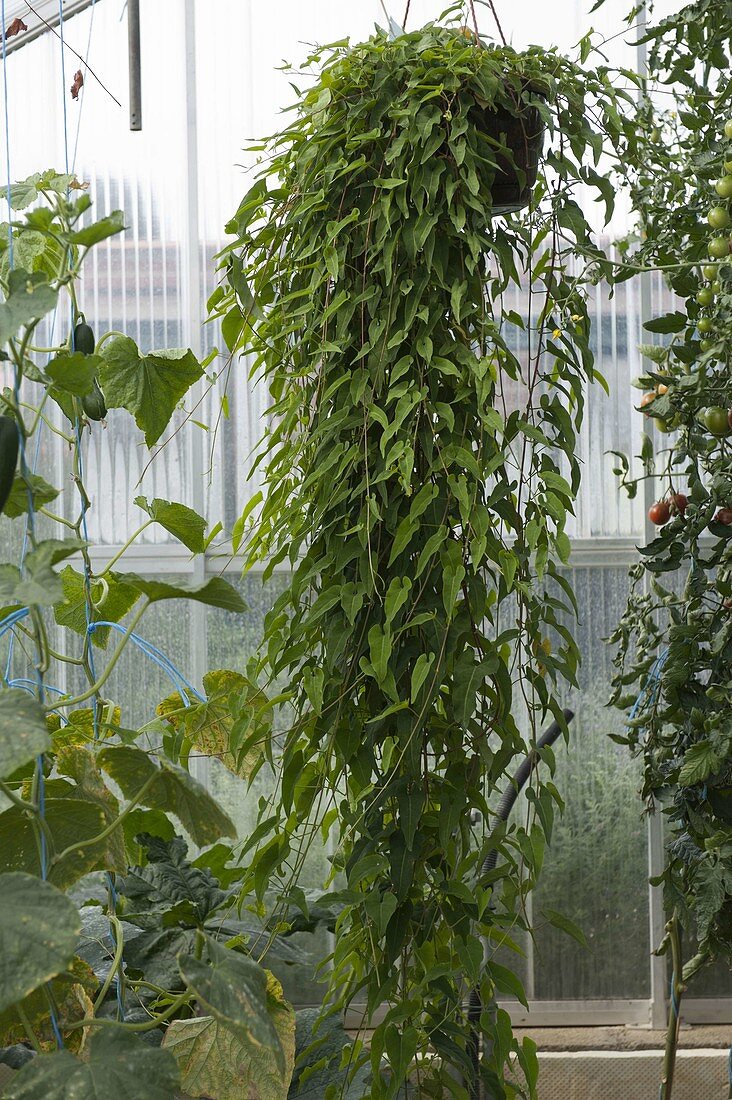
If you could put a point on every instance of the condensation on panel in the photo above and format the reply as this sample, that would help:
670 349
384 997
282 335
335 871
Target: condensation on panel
595 870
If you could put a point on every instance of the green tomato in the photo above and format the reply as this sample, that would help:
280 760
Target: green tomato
723 187
664 426
706 345
709 271
716 287
716 420
719 247
728 166
705 325
718 217
705 297
728 128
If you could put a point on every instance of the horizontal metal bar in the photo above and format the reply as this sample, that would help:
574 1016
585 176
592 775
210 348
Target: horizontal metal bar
706 1010
588 1013
160 557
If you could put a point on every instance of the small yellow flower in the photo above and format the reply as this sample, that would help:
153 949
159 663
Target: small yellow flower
557 333
576 317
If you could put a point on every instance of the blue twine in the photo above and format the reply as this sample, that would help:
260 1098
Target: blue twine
649 692
158 658
25 684
7 135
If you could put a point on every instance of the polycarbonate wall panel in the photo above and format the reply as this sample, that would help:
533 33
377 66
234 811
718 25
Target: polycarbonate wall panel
595 870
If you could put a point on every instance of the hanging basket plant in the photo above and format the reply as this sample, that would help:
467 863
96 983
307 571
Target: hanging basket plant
420 468
516 134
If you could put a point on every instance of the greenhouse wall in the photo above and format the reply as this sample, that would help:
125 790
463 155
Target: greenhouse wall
212 80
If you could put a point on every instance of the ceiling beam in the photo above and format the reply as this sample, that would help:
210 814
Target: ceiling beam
47 18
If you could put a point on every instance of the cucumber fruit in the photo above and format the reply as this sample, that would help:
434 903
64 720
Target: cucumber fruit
84 338
93 403
8 457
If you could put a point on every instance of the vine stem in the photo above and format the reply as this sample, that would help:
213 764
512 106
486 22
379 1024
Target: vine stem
123 549
94 688
116 961
91 841
27 1028
674 1018
492 6
102 1021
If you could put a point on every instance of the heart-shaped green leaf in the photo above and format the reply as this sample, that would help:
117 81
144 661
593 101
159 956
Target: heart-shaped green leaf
148 386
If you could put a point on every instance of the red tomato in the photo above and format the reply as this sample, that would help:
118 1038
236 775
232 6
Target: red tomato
659 513
724 516
679 502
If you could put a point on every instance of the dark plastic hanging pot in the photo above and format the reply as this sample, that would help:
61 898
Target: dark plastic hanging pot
521 130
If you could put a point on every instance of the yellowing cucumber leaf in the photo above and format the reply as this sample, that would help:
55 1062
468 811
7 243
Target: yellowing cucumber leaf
71 992
166 787
215 1062
208 725
233 988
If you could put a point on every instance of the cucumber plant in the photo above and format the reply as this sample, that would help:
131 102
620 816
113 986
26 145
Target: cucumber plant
83 987
420 470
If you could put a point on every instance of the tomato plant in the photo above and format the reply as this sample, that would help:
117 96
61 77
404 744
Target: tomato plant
674 662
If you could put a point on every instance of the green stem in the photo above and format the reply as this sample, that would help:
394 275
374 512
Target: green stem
32 1037
74 701
27 807
101 1021
57 519
112 332
116 961
91 841
125 547
674 1018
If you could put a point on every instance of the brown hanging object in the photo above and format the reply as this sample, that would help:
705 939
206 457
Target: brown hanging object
15 28
78 84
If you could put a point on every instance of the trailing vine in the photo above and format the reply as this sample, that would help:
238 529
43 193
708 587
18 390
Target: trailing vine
674 635
419 467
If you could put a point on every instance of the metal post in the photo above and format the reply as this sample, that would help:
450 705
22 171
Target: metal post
656 912
192 326
133 38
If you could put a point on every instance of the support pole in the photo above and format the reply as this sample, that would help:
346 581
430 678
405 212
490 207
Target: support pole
133 38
